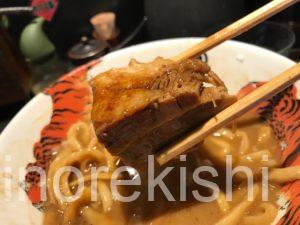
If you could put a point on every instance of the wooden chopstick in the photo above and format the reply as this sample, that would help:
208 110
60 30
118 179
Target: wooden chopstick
266 91
236 28
234 111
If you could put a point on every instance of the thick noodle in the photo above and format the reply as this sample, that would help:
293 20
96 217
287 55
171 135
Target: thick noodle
80 150
83 151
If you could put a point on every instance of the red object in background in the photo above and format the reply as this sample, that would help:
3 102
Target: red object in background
45 8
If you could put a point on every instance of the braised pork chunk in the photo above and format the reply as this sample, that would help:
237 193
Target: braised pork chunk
140 109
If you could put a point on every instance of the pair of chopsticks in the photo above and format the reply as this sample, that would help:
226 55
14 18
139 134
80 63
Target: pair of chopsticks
237 109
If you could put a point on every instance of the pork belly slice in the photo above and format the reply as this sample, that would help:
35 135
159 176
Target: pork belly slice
140 109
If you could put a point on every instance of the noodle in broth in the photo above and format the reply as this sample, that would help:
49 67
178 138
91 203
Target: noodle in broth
247 142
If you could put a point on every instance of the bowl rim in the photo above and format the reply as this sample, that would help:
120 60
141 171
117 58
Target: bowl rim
37 98
14 126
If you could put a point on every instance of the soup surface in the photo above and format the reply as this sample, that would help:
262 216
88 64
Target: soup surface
249 141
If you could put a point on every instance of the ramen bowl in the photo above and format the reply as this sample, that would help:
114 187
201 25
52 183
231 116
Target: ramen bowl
33 128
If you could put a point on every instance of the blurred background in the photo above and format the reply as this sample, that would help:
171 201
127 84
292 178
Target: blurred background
42 39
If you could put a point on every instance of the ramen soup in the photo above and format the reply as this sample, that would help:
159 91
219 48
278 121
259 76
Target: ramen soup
249 141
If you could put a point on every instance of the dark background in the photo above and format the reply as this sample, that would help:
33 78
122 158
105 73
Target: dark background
176 18
71 20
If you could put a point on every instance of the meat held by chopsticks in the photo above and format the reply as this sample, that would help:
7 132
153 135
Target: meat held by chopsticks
140 109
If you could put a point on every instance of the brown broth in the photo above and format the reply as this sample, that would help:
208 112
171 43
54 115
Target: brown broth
192 212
